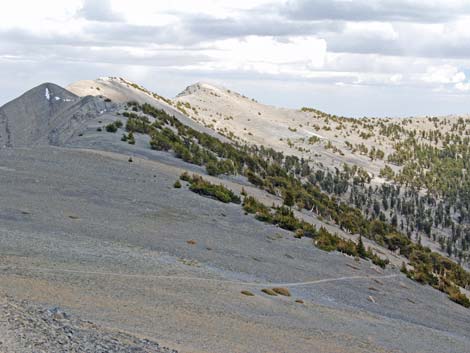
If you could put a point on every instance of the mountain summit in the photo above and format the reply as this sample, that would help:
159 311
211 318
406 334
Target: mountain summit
29 118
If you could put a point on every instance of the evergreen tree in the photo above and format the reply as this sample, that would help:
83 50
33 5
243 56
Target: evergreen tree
360 248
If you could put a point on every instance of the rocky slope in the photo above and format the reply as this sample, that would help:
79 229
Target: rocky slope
422 161
47 114
26 329
94 225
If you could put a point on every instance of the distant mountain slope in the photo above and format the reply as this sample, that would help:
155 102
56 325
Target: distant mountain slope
293 132
120 90
309 133
400 159
46 114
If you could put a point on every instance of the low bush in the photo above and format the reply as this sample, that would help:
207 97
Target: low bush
111 128
114 126
205 188
131 138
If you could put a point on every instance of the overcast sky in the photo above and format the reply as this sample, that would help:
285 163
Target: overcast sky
349 57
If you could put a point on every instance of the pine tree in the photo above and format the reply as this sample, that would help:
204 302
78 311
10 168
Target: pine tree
361 250
289 199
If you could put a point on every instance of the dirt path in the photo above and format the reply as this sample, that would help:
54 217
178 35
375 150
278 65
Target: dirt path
185 278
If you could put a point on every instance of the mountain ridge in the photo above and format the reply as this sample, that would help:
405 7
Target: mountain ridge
126 216
46 114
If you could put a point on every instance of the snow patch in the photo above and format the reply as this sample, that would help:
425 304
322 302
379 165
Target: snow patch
48 95
106 78
314 134
57 98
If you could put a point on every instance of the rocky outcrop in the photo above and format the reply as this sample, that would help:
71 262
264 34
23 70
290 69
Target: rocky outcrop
26 329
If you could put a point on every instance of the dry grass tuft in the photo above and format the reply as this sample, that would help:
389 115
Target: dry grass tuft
282 291
247 293
269 292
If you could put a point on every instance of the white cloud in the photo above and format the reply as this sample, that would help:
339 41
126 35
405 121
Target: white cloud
100 10
463 87
424 47
33 14
381 30
268 54
443 74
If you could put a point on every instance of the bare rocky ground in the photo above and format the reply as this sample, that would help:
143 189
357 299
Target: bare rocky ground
28 329
111 242
106 239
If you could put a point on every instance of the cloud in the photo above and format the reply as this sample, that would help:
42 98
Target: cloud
334 46
377 10
463 86
209 27
256 55
99 10
444 74
257 49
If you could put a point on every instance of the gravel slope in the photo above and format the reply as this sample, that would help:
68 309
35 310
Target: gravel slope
96 228
105 215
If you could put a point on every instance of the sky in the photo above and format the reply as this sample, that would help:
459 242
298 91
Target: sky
346 57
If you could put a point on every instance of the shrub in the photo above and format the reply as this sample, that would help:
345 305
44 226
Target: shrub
136 123
254 179
160 142
185 177
111 128
212 168
131 138
326 241
285 219
218 192
251 205
460 298
177 185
